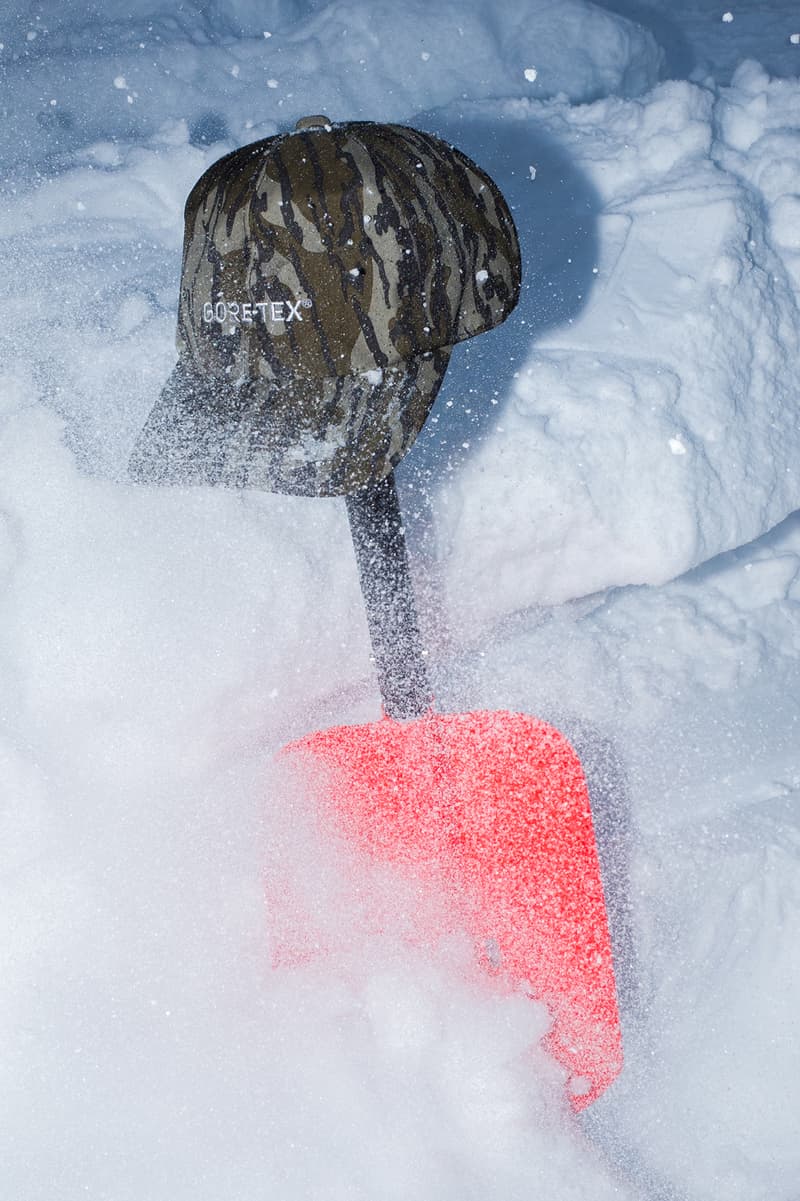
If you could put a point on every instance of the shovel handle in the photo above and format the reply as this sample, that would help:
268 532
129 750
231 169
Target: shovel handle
376 526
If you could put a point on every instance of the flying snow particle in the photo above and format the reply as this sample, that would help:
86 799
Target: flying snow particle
481 276
676 446
267 34
424 56
727 18
794 38
531 172
119 82
530 74
272 83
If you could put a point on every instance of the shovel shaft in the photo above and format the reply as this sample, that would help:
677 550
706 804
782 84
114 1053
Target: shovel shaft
376 526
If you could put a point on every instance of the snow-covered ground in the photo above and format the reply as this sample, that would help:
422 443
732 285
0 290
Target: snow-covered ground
603 516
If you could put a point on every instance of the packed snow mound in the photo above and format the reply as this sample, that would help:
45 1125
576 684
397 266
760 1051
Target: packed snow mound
507 49
241 72
656 426
760 142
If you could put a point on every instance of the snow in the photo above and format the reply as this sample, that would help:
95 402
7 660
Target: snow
603 519
688 342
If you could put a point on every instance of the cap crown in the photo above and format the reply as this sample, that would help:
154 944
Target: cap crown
338 250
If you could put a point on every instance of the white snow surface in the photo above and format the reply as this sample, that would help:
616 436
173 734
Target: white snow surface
603 520
657 426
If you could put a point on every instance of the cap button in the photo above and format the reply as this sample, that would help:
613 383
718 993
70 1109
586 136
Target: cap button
313 123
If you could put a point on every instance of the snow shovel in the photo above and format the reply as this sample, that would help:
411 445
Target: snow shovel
327 274
498 797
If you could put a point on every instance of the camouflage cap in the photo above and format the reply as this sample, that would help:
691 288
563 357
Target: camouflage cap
327 273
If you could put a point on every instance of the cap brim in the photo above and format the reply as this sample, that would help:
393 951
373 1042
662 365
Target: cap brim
307 437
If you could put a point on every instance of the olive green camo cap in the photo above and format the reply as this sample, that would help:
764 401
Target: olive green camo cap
327 273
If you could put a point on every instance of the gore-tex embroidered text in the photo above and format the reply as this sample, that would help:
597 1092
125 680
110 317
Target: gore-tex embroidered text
235 312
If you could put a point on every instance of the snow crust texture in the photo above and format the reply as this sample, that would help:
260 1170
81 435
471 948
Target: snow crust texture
657 426
603 518
372 62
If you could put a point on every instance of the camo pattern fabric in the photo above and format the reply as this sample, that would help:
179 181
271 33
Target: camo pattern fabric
205 431
326 275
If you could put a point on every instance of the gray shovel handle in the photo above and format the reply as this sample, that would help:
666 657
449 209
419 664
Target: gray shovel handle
376 526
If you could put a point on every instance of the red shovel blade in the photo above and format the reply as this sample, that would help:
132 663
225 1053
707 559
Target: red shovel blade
497 804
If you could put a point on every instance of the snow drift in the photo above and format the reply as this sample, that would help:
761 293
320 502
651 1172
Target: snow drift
601 512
